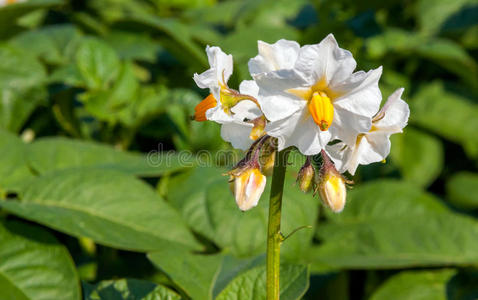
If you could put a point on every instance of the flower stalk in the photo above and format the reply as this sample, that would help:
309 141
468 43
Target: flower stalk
274 236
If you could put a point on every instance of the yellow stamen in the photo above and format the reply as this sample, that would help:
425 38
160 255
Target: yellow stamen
203 106
321 109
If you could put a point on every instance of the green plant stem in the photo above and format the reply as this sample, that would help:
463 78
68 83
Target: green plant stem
274 236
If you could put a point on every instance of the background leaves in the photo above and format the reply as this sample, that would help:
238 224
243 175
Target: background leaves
99 155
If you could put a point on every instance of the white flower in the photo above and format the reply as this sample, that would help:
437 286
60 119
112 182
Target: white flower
311 96
373 145
234 110
237 131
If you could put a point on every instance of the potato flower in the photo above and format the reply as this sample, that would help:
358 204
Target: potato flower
238 112
311 95
373 145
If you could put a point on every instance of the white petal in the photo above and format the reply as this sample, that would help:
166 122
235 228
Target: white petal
218 115
395 114
368 149
220 70
246 110
249 87
276 103
220 62
347 125
301 131
360 93
325 61
280 55
340 154
206 79
237 135
376 147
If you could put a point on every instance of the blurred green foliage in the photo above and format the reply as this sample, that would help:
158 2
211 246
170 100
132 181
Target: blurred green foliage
94 94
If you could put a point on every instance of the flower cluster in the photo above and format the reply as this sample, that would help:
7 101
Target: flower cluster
306 97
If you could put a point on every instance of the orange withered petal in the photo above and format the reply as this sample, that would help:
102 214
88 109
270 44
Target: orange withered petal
203 106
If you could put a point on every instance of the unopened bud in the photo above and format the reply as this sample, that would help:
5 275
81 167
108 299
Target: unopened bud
258 129
306 175
267 157
331 186
248 188
332 191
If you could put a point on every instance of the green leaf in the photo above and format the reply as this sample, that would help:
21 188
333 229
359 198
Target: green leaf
201 276
392 224
55 44
111 208
19 70
129 289
206 203
418 155
433 14
445 114
443 52
9 14
21 90
194 273
184 47
132 45
34 266
47 154
252 284
462 190
17 106
417 285
13 163
109 105
98 63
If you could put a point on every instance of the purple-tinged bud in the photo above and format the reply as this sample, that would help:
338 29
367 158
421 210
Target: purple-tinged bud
306 176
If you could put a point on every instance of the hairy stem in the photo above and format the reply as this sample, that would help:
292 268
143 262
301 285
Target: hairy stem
274 236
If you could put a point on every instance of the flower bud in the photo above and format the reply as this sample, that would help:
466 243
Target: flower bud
267 157
258 129
332 190
248 188
306 175
332 185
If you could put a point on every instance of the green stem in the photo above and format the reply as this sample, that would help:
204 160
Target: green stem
274 236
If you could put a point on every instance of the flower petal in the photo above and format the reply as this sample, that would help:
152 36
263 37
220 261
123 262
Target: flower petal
237 134
249 87
376 148
347 125
338 153
301 131
280 55
360 93
276 103
219 72
218 115
246 110
325 61
369 148
394 114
